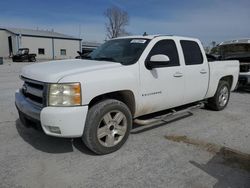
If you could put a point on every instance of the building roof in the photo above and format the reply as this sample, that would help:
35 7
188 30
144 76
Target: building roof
39 33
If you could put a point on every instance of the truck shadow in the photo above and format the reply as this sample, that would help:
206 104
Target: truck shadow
230 168
48 144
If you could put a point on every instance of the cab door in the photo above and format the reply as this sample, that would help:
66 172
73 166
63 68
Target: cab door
162 87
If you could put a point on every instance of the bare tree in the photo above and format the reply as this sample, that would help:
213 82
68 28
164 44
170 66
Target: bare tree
117 20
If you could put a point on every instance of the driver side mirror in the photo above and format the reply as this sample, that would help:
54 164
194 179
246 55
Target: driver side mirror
157 61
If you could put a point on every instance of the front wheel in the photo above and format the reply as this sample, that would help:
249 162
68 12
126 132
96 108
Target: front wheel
107 126
220 100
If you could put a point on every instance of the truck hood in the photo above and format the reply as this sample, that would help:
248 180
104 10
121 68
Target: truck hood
53 71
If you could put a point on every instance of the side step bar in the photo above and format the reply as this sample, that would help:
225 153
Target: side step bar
165 117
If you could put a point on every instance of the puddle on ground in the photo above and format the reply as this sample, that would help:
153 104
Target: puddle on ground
231 157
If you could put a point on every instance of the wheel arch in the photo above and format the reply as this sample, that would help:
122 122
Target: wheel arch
214 84
229 79
125 96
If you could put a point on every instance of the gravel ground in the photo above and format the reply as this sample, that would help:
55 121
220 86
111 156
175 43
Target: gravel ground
31 159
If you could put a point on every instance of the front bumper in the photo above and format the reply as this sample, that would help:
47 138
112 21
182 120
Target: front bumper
69 121
27 108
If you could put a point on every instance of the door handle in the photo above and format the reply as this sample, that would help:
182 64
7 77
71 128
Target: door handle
178 74
203 71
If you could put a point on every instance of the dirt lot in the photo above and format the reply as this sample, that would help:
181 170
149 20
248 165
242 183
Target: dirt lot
206 149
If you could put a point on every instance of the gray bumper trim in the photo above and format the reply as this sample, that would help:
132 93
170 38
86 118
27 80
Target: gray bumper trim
26 107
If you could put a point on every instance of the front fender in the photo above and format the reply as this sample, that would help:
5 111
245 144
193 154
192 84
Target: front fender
95 83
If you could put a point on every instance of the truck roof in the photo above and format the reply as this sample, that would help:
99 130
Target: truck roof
155 36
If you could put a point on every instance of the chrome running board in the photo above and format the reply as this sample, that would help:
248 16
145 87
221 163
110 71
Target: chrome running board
166 117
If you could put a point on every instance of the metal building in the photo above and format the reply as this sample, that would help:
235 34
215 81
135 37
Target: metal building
46 44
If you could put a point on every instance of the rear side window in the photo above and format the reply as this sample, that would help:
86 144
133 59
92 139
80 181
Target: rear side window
192 52
166 47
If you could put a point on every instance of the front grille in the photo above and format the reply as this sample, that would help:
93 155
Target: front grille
34 91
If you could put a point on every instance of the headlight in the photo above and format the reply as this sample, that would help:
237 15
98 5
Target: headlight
65 94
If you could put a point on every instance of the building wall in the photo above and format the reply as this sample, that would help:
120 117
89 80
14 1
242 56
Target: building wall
71 47
4 44
34 43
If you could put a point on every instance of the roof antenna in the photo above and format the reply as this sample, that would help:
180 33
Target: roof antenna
145 34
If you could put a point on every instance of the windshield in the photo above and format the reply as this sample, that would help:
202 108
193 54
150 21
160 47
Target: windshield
21 51
124 51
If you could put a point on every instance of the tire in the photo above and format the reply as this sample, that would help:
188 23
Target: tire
104 134
220 100
32 59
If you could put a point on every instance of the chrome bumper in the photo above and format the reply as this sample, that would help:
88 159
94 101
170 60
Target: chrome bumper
26 107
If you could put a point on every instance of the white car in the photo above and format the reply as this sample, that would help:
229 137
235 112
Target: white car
99 98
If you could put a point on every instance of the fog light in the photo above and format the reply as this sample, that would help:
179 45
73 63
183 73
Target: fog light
54 129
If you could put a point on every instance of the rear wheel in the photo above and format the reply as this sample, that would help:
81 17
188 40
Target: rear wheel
107 126
33 59
220 100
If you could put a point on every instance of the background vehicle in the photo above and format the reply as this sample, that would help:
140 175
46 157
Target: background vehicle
236 50
124 79
23 55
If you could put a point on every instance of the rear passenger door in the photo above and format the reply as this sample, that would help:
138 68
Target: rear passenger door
196 71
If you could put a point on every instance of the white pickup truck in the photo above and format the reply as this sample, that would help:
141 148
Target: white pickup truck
99 98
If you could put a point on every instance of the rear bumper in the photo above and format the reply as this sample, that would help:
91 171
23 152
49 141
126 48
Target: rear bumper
68 121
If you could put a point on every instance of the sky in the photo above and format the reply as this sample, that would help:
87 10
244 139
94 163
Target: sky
208 20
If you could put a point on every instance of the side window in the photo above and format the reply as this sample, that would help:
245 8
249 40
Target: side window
192 52
166 47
